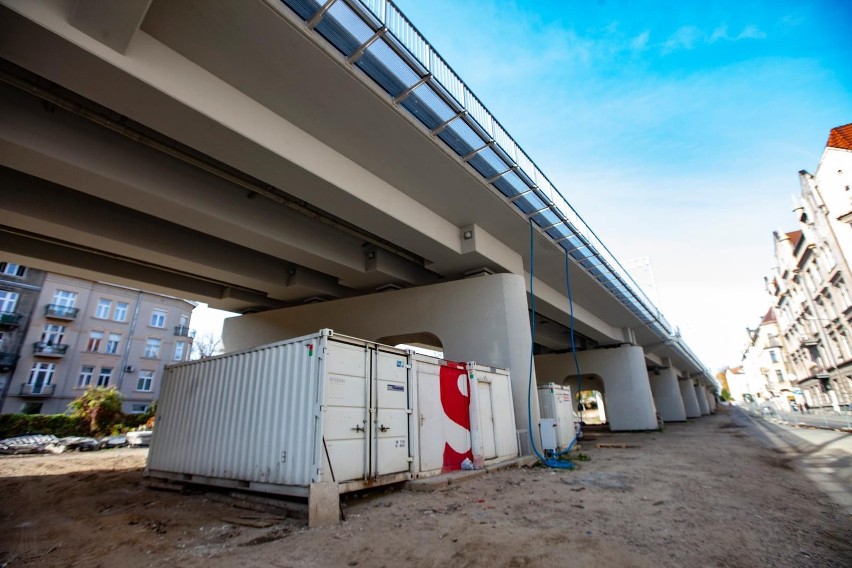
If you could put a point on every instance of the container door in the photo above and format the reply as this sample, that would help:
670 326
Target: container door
486 420
390 427
345 427
431 416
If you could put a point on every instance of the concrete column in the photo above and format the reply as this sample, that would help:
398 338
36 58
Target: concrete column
690 401
629 403
483 319
711 400
667 397
601 406
701 395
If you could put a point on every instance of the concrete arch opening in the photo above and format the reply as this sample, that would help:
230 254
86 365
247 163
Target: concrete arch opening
623 378
590 391
425 342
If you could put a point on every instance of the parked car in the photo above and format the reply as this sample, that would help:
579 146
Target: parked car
139 438
27 444
113 441
79 443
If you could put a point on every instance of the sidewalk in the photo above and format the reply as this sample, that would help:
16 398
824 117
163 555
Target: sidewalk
823 455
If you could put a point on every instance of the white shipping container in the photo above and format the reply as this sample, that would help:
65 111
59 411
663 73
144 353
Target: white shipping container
555 402
327 408
277 418
464 411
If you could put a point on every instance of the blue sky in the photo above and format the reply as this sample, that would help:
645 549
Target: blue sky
676 129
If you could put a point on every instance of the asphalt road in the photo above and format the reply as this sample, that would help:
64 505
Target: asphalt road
824 456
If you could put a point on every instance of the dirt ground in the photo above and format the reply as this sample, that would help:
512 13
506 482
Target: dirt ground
701 493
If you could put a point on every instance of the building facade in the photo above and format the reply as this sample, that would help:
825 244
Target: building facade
765 367
83 334
20 287
810 283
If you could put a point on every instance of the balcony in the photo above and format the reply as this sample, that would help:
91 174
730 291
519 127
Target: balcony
37 391
42 349
184 331
10 319
56 311
7 360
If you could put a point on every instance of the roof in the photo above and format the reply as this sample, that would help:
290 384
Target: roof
769 317
841 137
795 237
737 370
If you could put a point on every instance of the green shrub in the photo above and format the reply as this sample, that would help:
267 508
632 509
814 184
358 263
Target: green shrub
60 425
100 407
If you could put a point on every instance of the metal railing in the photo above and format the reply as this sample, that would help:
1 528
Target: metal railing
595 258
36 390
60 312
10 318
43 349
184 331
814 418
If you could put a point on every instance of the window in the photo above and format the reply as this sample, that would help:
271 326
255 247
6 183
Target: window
158 318
779 376
184 321
64 298
104 376
120 313
31 408
180 350
95 338
12 269
8 301
84 379
104 307
152 348
112 343
53 334
138 408
845 300
41 375
773 355
145 381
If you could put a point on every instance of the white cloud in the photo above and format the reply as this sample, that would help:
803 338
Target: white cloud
686 37
751 32
690 37
640 42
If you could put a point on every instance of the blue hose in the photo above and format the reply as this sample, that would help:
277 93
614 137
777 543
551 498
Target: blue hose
553 463
574 353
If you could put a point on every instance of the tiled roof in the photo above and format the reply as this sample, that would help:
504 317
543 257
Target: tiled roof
769 317
794 237
841 137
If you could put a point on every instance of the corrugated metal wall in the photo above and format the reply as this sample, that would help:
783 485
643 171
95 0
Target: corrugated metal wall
248 416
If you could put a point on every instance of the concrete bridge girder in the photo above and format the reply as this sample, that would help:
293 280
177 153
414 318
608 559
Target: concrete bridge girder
213 93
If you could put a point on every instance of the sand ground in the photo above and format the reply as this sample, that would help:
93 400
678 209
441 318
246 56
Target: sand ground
701 493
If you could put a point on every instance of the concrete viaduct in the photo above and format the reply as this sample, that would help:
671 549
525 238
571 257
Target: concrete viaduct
314 164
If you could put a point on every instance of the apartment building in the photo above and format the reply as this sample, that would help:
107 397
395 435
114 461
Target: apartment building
810 283
20 287
765 368
83 334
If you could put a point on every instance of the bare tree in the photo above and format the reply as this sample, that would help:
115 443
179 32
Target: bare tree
206 345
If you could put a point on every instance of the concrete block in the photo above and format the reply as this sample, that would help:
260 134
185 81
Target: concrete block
323 505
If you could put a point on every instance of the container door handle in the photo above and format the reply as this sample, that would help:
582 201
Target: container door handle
383 428
358 428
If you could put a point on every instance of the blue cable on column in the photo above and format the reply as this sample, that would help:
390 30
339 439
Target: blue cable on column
554 463
576 360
